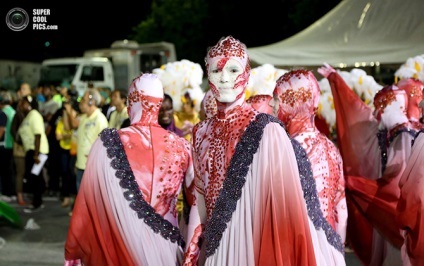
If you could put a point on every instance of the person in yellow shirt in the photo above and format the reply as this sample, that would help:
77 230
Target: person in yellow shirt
118 99
187 117
35 143
64 134
89 125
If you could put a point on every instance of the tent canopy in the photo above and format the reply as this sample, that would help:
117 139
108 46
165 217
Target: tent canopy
355 33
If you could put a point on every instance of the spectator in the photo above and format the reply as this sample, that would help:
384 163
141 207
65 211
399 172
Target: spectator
90 124
119 101
7 114
166 116
35 144
18 150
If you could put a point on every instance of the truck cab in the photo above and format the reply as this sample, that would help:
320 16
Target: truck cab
79 72
112 68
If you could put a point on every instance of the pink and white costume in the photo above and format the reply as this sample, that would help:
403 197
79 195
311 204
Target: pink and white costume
256 201
410 207
373 192
125 212
298 93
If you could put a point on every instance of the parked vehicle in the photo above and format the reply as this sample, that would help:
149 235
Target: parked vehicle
113 67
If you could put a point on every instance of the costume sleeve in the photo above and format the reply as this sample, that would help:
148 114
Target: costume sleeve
341 207
410 207
357 131
376 200
195 226
94 236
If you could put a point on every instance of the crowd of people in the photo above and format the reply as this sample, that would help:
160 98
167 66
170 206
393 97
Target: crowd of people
245 180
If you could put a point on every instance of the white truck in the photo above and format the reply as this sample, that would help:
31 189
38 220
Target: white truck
111 68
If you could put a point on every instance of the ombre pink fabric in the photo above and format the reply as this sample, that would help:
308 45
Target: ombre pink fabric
270 225
104 230
357 131
410 207
299 93
372 197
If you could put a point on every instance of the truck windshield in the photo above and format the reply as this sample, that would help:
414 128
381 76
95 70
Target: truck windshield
56 74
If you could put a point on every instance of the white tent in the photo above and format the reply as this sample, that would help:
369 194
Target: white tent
355 33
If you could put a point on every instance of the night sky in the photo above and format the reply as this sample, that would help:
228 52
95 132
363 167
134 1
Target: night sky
82 26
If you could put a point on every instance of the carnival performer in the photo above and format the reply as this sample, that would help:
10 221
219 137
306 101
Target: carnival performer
252 205
296 98
372 200
125 212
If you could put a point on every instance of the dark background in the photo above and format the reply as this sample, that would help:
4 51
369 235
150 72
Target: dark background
80 26
87 24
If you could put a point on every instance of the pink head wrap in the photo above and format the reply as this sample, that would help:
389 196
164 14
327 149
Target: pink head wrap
414 90
385 97
229 48
299 93
145 96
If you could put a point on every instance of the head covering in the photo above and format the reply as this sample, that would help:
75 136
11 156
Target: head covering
385 97
229 48
299 94
414 91
391 106
145 96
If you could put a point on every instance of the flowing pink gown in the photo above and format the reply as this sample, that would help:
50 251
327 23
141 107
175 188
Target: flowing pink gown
125 212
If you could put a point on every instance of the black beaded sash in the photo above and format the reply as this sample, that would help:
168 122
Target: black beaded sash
416 136
382 144
230 193
116 152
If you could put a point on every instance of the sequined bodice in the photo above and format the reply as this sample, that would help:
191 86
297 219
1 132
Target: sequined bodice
215 140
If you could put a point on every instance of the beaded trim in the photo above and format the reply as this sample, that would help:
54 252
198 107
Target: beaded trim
310 195
382 144
416 136
132 193
226 202
408 130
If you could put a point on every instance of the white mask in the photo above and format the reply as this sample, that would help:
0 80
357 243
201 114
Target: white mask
226 80
228 68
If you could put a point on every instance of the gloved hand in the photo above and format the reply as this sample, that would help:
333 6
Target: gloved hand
326 70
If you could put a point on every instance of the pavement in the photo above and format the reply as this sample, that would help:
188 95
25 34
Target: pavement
42 242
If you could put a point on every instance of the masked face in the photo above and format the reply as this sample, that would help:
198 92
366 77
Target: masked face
227 80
